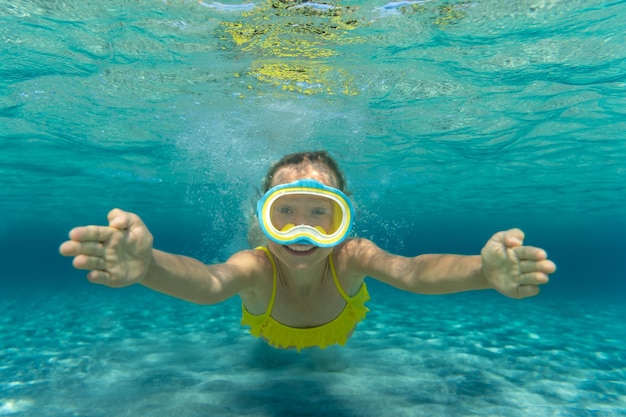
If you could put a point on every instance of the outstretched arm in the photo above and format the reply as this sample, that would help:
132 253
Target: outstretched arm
121 254
504 265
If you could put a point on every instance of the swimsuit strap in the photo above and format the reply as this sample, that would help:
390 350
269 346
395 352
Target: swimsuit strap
271 258
270 306
337 284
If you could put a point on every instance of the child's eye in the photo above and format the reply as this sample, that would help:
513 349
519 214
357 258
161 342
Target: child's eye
284 210
320 211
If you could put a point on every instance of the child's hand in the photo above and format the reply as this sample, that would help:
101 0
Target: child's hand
116 255
513 269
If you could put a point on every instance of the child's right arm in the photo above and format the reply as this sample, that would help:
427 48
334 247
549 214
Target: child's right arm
121 254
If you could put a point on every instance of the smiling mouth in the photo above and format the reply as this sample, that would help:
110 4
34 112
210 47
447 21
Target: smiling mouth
300 250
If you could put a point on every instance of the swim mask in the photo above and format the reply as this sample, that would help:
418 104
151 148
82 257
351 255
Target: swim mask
305 212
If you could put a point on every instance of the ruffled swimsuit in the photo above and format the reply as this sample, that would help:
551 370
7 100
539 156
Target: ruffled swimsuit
337 331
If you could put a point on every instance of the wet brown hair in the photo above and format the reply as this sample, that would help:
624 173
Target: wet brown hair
319 157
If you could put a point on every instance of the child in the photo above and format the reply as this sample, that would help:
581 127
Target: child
305 287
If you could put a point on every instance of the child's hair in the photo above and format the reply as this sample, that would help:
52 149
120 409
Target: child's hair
321 157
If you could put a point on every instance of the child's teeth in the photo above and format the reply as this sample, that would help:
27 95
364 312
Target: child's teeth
301 248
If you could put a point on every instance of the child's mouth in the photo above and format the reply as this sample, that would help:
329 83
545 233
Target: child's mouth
300 250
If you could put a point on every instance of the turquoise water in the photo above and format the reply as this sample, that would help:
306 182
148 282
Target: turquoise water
451 120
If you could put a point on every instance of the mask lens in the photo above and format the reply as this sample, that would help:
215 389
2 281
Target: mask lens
296 209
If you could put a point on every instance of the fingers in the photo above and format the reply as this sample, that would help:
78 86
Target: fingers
86 241
530 253
69 248
91 233
546 266
533 278
118 219
513 237
99 277
123 220
524 291
521 270
533 259
510 238
72 248
89 263
533 274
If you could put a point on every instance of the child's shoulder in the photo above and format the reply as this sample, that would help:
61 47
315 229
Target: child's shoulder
253 261
255 270
350 258
355 246
353 251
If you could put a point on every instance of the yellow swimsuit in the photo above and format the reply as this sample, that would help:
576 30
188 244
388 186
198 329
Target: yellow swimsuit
336 331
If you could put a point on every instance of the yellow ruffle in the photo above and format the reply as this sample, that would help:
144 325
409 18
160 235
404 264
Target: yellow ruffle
334 332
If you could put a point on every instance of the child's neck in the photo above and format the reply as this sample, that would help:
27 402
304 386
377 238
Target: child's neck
303 282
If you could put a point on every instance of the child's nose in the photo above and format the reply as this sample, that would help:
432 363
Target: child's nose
303 218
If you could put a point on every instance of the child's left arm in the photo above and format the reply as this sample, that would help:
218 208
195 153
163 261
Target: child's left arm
504 264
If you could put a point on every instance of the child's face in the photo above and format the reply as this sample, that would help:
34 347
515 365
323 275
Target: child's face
298 210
